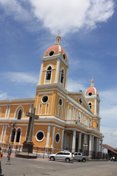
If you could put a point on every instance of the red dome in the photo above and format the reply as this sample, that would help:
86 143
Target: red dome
54 49
91 90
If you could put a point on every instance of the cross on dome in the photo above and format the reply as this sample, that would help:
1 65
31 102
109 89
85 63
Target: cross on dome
92 83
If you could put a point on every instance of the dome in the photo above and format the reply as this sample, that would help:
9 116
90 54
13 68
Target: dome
55 49
91 90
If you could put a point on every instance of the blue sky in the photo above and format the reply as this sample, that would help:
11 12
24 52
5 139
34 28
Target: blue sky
89 36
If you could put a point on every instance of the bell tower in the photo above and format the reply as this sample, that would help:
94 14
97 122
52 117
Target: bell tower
93 101
93 98
54 65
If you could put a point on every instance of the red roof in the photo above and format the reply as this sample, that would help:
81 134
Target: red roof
56 48
91 90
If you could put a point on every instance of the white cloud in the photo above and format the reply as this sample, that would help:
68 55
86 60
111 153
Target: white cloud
14 7
74 86
20 77
109 116
108 97
60 16
110 135
114 133
3 95
72 15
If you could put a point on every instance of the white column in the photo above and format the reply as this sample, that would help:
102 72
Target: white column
53 135
48 137
95 110
91 145
85 144
8 112
40 75
74 141
15 137
67 116
97 145
79 141
62 139
57 71
66 78
85 139
4 135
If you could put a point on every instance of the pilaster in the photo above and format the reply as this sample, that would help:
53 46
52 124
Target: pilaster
74 141
48 137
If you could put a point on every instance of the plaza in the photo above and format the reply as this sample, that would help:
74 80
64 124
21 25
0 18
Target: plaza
40 167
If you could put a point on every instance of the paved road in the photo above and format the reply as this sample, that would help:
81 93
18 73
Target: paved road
43 167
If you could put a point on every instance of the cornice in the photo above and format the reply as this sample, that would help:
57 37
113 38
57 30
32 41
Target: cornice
54 57
52 120
24 100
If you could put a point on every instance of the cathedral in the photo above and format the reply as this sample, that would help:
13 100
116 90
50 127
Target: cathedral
67 120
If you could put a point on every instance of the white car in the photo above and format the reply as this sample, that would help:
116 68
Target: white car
62 156
79 157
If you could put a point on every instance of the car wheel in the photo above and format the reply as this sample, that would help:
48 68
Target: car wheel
52 158
67 160
83 160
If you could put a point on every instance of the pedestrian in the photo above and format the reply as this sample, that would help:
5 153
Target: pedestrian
1 155
9 151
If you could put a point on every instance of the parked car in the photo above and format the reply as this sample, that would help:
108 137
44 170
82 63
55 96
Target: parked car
79 157
62 156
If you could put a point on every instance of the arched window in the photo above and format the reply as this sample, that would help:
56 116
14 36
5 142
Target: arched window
13 134
48 73
18 135
90 105
19 114
62 76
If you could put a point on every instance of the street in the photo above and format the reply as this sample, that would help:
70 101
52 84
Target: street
40 167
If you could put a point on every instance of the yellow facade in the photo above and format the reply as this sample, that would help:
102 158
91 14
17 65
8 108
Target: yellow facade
63 115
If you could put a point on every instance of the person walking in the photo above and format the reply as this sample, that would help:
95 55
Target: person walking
9 151
1 155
